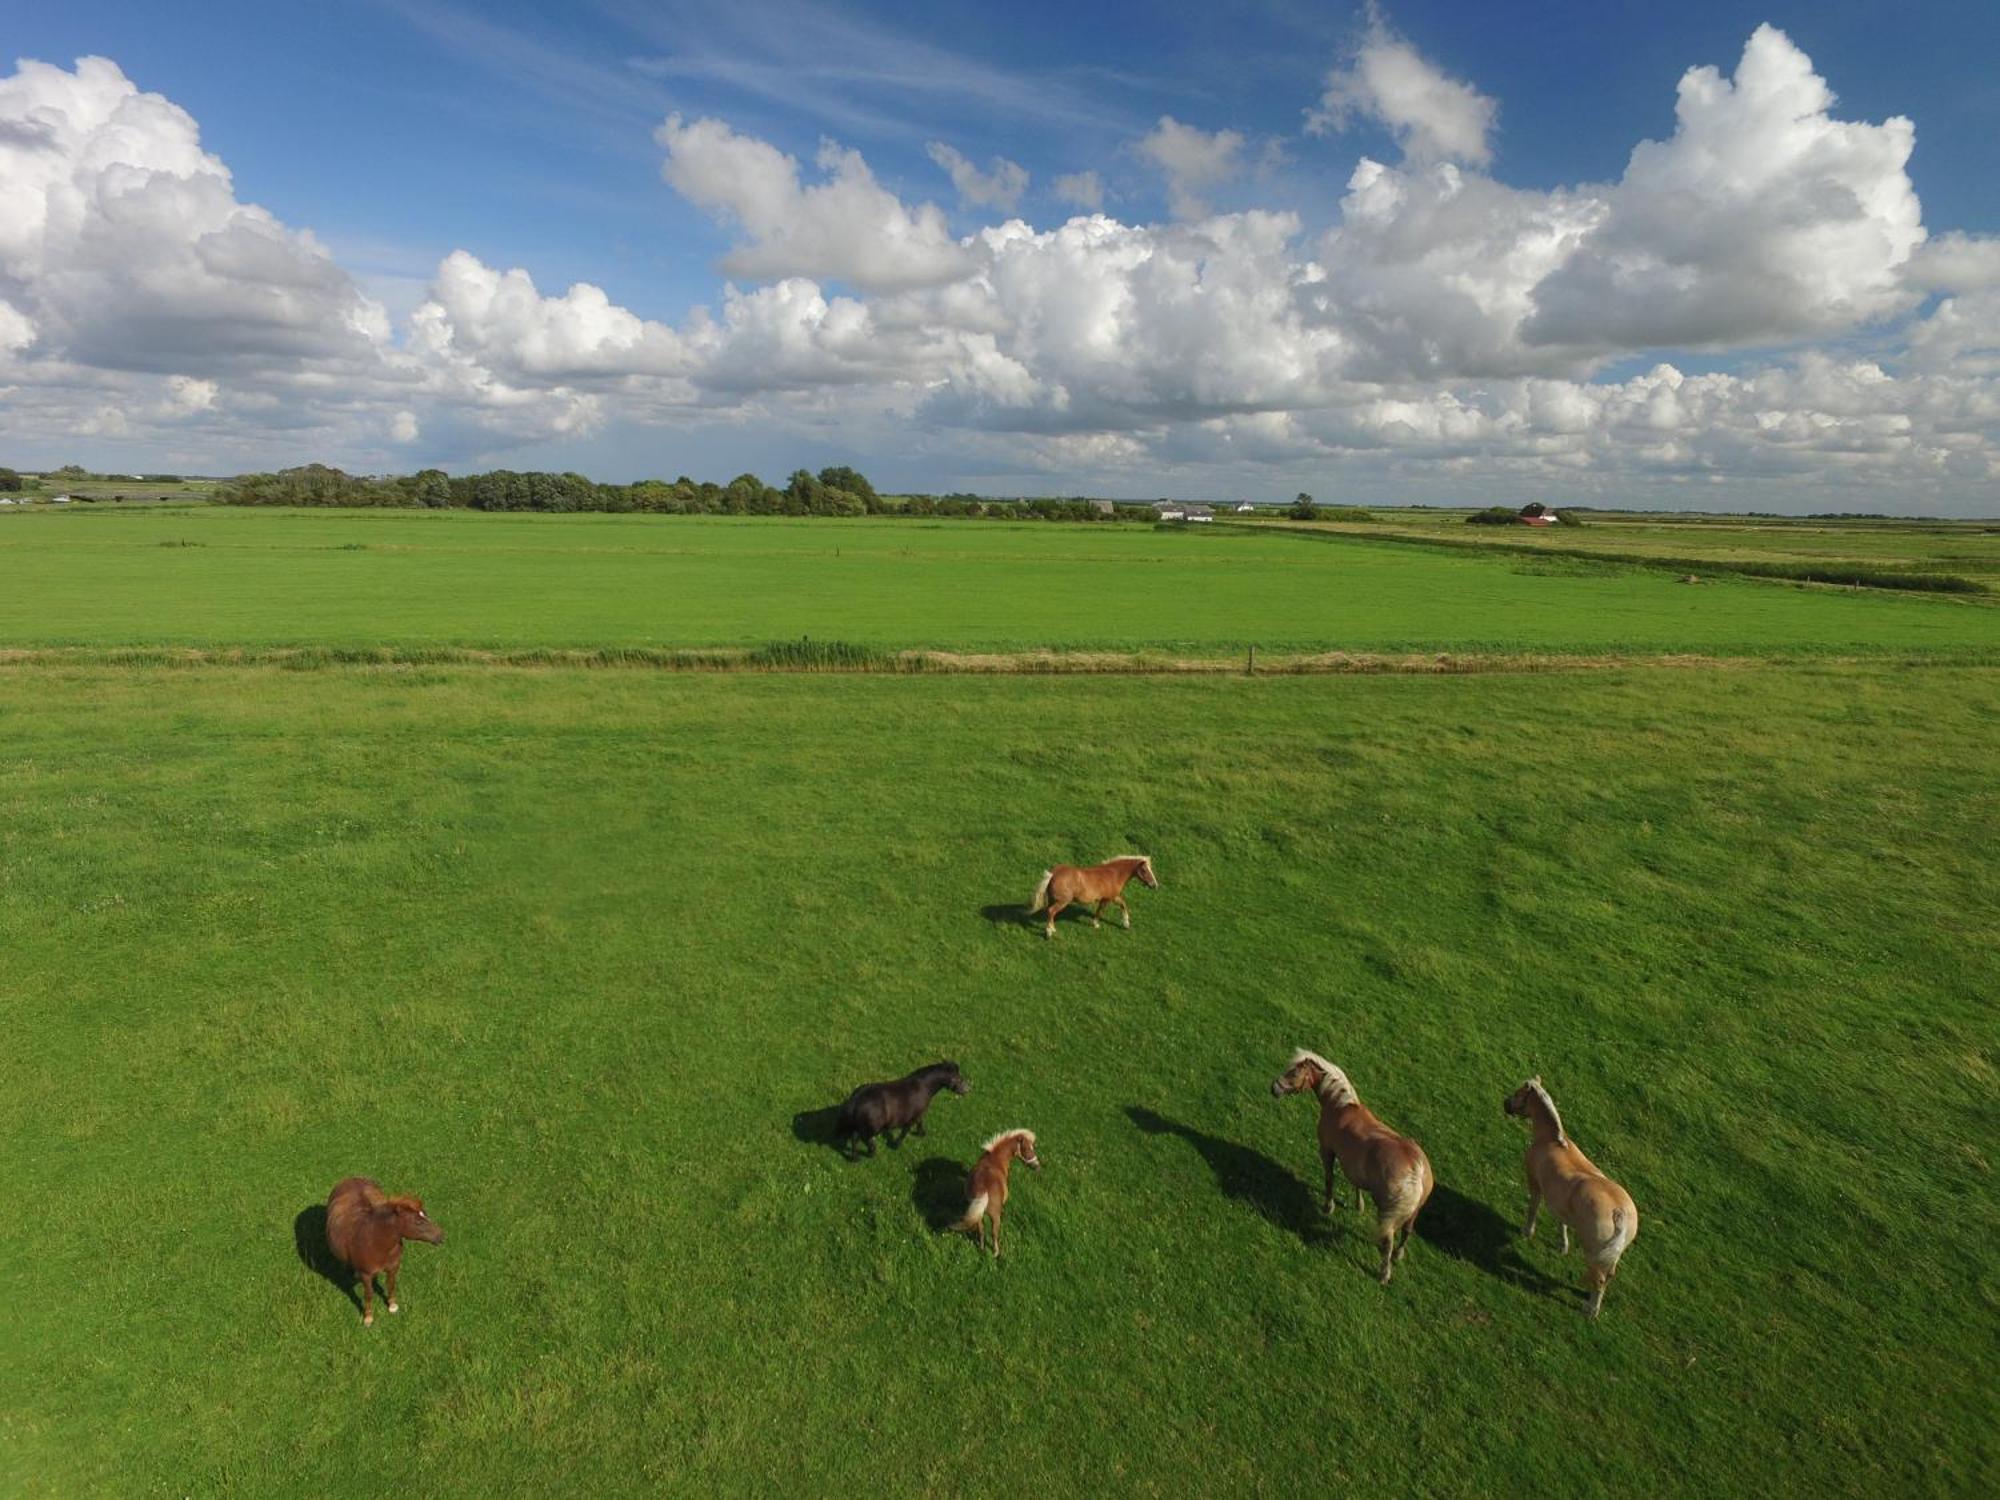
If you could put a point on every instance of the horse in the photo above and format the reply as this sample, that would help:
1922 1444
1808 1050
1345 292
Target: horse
1103 884
366 1231
986 1188
876 1108
1392 1169
1581 1197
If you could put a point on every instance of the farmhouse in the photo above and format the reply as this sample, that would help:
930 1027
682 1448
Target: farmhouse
1199 513
1244 508
1170 510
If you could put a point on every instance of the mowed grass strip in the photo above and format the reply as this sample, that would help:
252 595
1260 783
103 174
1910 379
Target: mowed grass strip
367 579
577 956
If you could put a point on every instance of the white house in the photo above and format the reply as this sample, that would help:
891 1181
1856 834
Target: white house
1244 508
1200 513
1170 512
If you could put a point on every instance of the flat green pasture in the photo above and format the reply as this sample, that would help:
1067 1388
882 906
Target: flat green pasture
1968 549
216 577
582 957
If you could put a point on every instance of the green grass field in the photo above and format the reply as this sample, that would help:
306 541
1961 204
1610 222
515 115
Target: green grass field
568 952
584 956
210 576
1967 549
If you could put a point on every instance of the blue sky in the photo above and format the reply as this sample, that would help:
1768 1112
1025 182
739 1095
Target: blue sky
1245 356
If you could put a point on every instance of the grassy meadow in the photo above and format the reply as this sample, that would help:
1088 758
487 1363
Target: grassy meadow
1966 549
585 957
216 577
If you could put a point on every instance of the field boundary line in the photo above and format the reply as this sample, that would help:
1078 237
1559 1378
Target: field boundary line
1888 579
1035 663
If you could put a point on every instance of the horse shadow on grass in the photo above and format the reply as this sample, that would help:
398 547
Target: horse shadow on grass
309 1239
1246 1175
938 1192
1476 1233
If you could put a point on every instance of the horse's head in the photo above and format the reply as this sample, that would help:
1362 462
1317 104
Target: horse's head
953 1079
1024 1147
1531 1100
412 1223
1145 873
1301 1077
1309 1073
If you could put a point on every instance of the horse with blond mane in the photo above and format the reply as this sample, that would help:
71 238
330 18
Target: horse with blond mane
1102 884
1392 1169
986 1188
1581 1197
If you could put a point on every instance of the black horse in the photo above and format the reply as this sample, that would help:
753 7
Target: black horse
877 1108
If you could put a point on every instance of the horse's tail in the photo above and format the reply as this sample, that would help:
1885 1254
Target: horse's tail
1041 893
1623 1227
974 1212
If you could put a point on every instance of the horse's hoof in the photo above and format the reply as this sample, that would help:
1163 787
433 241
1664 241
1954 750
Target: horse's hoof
368 1320
394 1308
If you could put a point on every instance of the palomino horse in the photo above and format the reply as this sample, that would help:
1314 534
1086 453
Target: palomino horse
1581 1197
1103 884
1392 1169
366 1230
987 1186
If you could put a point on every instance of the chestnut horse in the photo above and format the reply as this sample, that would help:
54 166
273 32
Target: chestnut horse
366 1230
1103 884
987 1186
1581 1197
1392 1169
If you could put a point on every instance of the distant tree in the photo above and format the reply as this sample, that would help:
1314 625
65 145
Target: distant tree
432 488
1303 509
9 480
1534 508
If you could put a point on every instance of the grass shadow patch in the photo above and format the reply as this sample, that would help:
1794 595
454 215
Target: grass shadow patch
1477 1233
309 1239
937 1192
1010 914
1243 1174
814 1127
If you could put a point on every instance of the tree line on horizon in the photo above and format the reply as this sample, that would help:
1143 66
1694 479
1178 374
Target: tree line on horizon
834 491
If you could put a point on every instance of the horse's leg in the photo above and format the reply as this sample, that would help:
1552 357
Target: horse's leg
996 1231
1054 908
1534 1210
367 1299
1409 1228
392 1286
917 1125
1598 1278
1385 1239
1328 1206
1097 917
1565 1242
1125 909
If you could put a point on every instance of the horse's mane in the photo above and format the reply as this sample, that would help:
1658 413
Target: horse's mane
936 1067
1535 1087
1027 1135
1333 1083
1144 859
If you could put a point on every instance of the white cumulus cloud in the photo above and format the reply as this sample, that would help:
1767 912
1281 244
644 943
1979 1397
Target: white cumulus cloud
1433 116
1194 161
849 227
1000 188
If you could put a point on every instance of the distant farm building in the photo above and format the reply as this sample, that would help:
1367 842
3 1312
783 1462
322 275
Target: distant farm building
1170 510
1536 520
1199 513
1102 507
1244 508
